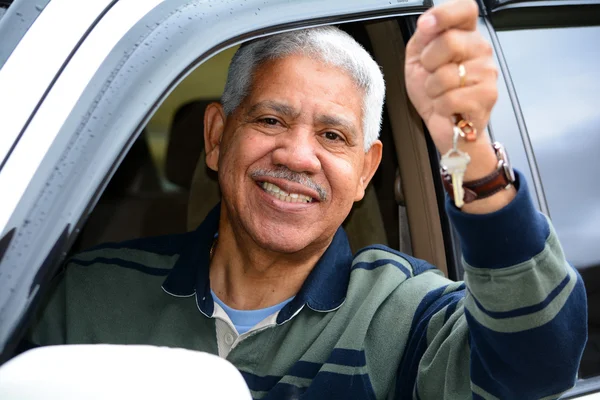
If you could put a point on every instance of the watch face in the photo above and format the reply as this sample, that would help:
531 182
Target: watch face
503 158
510 173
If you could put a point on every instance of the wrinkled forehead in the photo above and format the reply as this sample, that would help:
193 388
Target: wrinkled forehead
267 69
317 57
287 84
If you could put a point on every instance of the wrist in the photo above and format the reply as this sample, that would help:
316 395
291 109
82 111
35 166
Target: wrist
488 185
482 155
483 159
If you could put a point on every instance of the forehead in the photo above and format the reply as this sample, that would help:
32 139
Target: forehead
306 83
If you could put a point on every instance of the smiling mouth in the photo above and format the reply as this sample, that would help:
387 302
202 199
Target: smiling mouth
282 195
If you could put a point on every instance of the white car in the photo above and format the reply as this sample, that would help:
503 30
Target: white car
100 103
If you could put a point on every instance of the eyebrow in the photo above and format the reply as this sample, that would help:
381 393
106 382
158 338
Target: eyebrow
333 120
280 108
290 112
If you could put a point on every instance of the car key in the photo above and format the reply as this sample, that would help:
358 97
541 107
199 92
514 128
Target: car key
455 162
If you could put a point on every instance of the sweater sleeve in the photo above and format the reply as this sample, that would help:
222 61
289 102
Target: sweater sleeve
517 326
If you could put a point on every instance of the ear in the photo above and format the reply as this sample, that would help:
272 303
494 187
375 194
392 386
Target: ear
370 165
214 125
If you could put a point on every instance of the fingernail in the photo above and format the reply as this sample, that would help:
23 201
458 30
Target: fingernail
427 21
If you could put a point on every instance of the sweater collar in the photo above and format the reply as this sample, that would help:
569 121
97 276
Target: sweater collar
323 290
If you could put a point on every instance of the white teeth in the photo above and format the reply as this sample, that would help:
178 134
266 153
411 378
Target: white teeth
280 194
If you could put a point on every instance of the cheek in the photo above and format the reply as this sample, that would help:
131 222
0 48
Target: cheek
343 178
241 151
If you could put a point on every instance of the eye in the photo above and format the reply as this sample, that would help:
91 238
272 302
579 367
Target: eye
332 136
269 121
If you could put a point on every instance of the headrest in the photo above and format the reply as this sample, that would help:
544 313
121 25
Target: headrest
136 172
204 193
186 141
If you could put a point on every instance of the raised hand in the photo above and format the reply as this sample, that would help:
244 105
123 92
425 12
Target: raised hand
446 37
450 70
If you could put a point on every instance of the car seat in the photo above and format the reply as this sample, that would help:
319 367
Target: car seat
122 210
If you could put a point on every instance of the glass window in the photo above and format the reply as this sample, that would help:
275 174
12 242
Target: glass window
555 73
205 83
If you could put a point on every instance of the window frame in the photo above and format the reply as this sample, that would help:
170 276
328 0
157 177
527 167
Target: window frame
98 132
520 15
17 71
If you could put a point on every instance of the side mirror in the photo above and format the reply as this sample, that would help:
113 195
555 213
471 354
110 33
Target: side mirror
119 372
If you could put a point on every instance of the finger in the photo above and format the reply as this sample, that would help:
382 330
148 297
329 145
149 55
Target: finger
425 33
447 78
454 46
456 14
476 102
459 14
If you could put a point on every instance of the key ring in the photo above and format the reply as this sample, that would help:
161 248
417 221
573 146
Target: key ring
466 128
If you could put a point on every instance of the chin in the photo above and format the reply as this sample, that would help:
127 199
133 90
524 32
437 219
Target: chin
287 244
280 239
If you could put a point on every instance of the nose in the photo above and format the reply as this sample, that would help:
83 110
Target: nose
297 151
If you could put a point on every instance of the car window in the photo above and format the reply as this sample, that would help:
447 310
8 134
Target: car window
110 108
204 84
555 73
148 194
163 186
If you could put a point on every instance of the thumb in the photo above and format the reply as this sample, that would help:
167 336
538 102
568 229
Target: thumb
427 30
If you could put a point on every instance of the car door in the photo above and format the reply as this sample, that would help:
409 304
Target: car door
548 56
106 88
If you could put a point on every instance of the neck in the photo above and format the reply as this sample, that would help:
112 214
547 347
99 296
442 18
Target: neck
246 276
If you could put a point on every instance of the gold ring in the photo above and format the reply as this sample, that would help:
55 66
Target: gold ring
462 75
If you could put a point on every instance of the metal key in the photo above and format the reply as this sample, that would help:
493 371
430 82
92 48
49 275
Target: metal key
455 162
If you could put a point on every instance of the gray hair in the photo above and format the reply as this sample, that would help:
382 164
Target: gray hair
328 44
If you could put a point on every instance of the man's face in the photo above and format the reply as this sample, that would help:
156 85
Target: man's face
291 159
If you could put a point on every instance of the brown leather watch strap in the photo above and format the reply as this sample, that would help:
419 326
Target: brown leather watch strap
480 188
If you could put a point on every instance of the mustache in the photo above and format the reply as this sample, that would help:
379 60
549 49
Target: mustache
282 172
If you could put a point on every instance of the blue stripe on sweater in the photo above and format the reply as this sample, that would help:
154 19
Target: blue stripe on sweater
452 306
306 369
286 391
125 264
418 266
347 357
329 385
533 363
167 245
433 302
525 310
260 383
369 266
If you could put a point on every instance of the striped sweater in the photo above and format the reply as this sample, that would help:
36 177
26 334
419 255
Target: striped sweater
376 325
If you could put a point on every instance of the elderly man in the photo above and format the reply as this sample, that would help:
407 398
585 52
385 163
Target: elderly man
268 280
